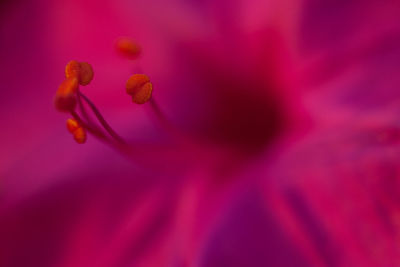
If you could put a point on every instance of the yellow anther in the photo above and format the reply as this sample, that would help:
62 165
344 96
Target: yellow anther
65 99
72 125
128 48
80 135
140 88
81 70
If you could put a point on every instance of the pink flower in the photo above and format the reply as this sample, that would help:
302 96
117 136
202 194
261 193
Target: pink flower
278 146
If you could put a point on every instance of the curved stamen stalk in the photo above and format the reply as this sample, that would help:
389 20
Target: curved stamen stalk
159 114
101 119
83 110
164 121
96 132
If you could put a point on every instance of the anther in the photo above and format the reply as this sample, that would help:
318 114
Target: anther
72 125
72 69
76 130
83 71
86 74
80 135
140 88
128 48
65 99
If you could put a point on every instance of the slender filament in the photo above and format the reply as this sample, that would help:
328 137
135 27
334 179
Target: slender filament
101 119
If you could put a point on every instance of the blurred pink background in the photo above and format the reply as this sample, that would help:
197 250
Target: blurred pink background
285 148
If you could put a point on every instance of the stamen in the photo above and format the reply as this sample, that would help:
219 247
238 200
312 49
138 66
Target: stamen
93 130
98 133
164 121
86 74
80 135
77 131
101 119
77 73
72 125
83 71
83 110
159 114
140 88
65 99
72 69
128 48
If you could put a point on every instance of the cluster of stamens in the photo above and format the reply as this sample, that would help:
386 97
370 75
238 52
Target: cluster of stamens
68 96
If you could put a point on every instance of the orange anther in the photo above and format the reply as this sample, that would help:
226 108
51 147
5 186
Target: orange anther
128 48
135 82
65 99
143 95
72 69
140 88
72 125
86 73
80 135
77 130
81 70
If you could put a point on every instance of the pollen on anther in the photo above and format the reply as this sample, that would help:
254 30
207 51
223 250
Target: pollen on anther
65 99
143 95
86 73
140 88
80 135
72 125
83 71
128 48
72 69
